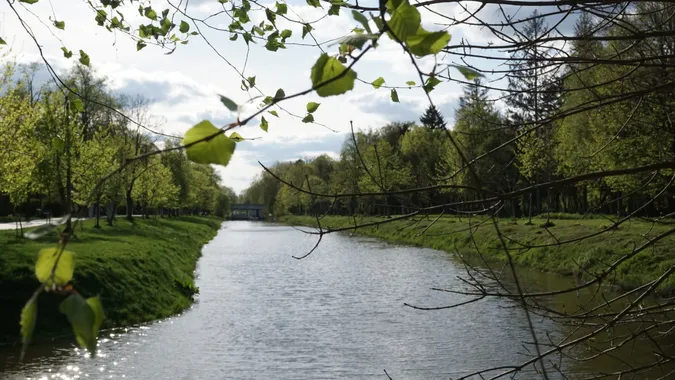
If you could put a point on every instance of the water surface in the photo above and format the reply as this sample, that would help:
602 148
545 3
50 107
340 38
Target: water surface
338 314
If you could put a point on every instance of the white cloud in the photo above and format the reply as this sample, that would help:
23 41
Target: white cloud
185 84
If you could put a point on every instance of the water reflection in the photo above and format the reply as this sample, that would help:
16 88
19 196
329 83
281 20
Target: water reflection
337 315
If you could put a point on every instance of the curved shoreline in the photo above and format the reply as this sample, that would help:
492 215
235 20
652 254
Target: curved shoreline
143 271
594 254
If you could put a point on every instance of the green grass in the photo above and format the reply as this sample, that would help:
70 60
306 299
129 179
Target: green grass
592 255
142 271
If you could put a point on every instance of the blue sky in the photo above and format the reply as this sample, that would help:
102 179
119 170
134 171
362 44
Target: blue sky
183 86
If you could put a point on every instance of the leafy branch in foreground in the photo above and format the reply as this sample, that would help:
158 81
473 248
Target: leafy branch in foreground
54 269
204 143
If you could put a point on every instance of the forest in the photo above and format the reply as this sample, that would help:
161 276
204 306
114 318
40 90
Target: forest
57 147
540 135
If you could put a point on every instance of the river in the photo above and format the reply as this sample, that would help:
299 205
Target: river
337 314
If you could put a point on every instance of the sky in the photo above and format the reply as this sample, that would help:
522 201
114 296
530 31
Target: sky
183 87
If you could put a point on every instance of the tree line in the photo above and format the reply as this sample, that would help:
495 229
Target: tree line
543 134
56 148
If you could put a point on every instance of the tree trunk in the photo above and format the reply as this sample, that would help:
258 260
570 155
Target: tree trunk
98 213
619 204
130 205
112 208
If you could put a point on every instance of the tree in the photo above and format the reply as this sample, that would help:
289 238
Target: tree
432 118
621 73
96 159
533 100
19 152
154 188
479 130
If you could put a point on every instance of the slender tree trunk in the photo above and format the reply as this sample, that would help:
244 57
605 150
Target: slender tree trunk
529 211
112 208
98 212
130 205
619 204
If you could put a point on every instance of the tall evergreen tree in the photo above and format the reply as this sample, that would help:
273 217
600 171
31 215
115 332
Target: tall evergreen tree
534 96
480 129
432 118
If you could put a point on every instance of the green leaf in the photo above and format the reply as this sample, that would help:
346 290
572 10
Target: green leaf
66 53
77 104
286 33
251 81
82 319
314 3
425 43
60 24
184 27
140 45
271 16
101 17
281 8
236 137
358 40
334 10
44 265
377 83
312 106
273 112
280 94
227 102
2 42
309 118
150 13
217 149
431 84
362 20
404 22
95 305
27 322
468 73
28 1
84 58
410 83
394 95
263 123
330 69
306 28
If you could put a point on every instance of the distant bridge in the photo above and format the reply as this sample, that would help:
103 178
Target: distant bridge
246 211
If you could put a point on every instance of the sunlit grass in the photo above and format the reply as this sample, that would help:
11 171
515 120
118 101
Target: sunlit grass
142 270
470 235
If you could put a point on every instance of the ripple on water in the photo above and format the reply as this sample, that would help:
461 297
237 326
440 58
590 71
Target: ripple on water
336 315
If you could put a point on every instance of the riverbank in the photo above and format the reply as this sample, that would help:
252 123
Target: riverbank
453 234
143 271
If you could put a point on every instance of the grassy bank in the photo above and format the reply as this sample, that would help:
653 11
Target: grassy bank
594 254
142 271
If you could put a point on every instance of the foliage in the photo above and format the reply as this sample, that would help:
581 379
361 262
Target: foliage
135 268
451 233
71 145
432 118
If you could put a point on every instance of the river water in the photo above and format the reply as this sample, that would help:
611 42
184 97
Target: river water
337 314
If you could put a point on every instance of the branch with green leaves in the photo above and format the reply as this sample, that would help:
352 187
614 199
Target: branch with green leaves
331 75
